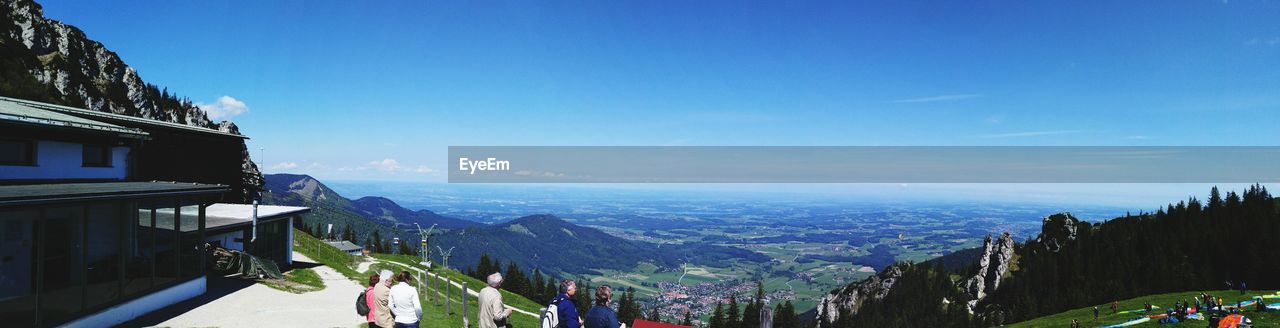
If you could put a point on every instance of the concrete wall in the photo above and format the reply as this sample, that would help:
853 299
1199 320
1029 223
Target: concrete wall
64 160
132 309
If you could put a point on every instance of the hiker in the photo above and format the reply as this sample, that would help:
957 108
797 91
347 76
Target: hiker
566 311
404 301
600 315
1242 287
1115 306
1075 323
493 313
1095 313
370 300
381 300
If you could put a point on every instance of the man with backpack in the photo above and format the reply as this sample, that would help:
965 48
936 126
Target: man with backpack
561 312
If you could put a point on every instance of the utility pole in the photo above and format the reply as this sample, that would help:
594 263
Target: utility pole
425 250
444 255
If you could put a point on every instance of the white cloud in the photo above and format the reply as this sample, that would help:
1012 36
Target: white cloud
390 165
938 98
224 107
285 165
1027 134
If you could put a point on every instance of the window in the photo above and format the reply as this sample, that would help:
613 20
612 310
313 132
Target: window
97 156
17 267
62 264
141 254
102 259
17 152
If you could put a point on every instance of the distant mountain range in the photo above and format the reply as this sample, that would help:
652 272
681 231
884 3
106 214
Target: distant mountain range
303 190
536 241
556 246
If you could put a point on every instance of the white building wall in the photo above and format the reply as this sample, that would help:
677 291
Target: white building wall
228 240
132 309
64 160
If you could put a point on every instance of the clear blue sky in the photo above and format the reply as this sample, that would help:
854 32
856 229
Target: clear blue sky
335 89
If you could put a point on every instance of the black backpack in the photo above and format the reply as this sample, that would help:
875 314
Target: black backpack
362 307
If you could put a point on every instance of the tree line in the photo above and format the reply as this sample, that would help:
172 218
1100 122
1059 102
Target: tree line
1191 245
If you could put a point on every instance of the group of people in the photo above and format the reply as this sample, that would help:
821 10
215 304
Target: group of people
392 302
566 312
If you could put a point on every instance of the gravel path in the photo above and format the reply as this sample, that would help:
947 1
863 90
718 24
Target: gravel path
261 306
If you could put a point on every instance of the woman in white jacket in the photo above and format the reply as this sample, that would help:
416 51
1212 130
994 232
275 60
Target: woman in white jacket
404 302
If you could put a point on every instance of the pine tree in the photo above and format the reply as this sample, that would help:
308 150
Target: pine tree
654 315
377 242
537 286
688 319
717 317
732 317
515 280
628 309
552 289
484 267
751 313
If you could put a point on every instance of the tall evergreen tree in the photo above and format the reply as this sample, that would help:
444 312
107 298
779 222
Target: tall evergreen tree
717 317
751 312
688 319
733 316
537 286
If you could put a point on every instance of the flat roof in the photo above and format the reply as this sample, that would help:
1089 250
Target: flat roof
222 215
104 115
344 245
23 113
65 192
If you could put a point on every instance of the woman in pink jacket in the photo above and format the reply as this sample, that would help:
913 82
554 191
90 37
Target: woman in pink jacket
369 300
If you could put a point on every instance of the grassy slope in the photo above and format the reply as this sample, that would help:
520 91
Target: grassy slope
433 316
1085 315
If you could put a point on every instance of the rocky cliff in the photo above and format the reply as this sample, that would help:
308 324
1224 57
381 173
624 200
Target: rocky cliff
46 60
994 264
850 298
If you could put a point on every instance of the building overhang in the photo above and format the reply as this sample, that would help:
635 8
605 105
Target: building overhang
19 195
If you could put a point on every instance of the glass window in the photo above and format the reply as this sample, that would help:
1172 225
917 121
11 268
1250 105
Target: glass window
166 247
97 155
62 264
102 260
17 267
17 152
141 252
191 253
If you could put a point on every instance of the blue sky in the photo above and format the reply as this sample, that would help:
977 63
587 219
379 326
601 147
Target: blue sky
377 91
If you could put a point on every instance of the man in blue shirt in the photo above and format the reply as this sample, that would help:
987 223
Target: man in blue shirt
600 315
566 311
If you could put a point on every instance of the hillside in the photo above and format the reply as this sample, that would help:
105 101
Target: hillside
46 60
1130 310
434 314
1071 264
555 246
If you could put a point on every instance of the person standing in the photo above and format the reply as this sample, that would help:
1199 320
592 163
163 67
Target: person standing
382 301
371 301
600 315
1095 313
493 313
404 302
566 311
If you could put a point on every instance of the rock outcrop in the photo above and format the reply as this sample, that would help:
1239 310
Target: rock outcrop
1057 231
851 297
70 69
994 264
